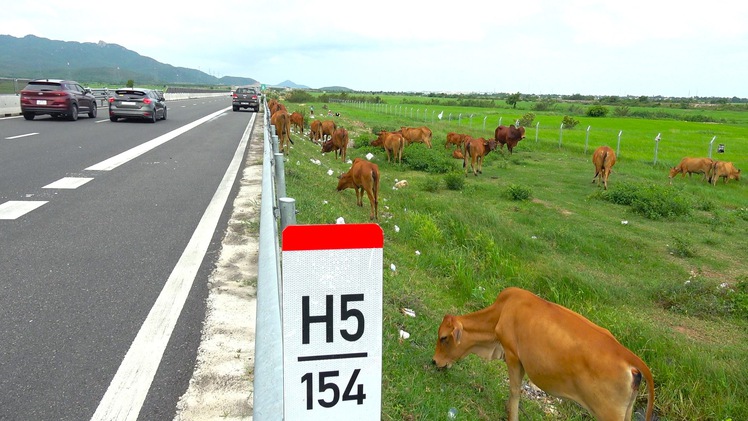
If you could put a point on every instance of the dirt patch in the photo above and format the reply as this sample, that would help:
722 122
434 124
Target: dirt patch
550 206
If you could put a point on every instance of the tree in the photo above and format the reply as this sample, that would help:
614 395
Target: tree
513 99
130 83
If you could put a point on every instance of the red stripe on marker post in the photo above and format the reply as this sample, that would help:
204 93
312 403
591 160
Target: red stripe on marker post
332 237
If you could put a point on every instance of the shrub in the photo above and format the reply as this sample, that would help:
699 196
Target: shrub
517 192
527 119
597 111
544 105
419 158
431 185
569 122
455 180
649 200
299 96
621 111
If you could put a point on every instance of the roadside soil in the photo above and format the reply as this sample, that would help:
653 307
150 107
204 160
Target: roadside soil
221 384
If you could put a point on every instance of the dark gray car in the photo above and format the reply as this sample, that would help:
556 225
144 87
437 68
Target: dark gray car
144 104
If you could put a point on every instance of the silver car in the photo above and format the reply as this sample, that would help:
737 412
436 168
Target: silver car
144 104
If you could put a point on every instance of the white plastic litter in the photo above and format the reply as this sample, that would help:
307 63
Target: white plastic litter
340 220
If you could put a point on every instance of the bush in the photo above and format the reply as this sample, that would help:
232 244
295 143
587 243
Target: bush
419 158
431 185
517 192
544 105
597 111
621 111
455 180
527 119
298 96
569 122
649 200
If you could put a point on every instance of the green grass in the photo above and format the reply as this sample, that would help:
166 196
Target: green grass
671 283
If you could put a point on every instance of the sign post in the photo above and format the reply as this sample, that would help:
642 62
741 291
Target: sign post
332 322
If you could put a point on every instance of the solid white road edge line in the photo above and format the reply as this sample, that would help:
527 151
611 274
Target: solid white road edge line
125 396
117 160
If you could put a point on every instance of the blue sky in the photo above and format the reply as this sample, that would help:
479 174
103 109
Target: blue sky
532 46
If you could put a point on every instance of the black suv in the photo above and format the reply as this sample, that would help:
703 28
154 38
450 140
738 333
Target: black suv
58 98
245 98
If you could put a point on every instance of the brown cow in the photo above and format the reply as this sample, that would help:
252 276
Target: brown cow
457 154
282 122
363 175
456 139
561 352
474 150
297 121
315 131
417 134
692 165
338 143
725 170
328 128
604 158
391 142
509 135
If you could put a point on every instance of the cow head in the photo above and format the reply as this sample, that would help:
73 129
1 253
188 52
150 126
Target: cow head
448 349
490 145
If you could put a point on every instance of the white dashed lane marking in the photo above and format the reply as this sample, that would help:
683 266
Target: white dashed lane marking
15 209
20 136
68 183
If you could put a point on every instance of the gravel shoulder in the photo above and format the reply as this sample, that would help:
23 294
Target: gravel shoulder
221 384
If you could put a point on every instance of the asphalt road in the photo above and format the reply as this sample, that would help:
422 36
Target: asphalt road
108 233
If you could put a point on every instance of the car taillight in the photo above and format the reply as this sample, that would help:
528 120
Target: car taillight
235 96
146 101
111 99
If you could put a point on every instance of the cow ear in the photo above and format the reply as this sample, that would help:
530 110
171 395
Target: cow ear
457 332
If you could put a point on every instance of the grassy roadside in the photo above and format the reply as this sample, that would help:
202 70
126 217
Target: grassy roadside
672 287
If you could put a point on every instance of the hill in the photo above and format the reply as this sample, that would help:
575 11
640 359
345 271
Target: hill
35 57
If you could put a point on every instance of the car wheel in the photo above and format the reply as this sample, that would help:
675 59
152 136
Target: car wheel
236 108
164 117
73 112
29 116
153 116
92 111
113 119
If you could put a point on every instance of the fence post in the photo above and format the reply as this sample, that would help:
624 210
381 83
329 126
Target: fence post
560 134
618 148
287 211
459 119
710 146
587 140
537 130
657 144
484 122
500 120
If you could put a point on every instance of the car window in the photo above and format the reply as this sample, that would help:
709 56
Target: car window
42 86
123 94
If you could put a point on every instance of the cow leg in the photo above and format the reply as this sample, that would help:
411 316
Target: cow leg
359 196
373 204
516 373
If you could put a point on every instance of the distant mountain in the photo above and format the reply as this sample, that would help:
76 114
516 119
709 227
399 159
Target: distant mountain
289 84
336 89
35 57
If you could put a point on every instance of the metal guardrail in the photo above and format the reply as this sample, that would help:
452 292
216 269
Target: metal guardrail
268 371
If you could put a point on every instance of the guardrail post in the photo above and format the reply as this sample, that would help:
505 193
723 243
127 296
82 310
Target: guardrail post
287 212
274 139
280 176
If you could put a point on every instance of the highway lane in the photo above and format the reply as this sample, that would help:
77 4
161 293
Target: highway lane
80 274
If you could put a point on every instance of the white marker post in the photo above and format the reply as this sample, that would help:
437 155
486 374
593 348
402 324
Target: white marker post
332 322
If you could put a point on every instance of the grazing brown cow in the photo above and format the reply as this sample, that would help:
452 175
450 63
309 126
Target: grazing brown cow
338 143
315 131
725 170
509 135
282 122
456 139
561 352
417 134
391 142
474 150
363 175
604 158
328 128
692 165
297 121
